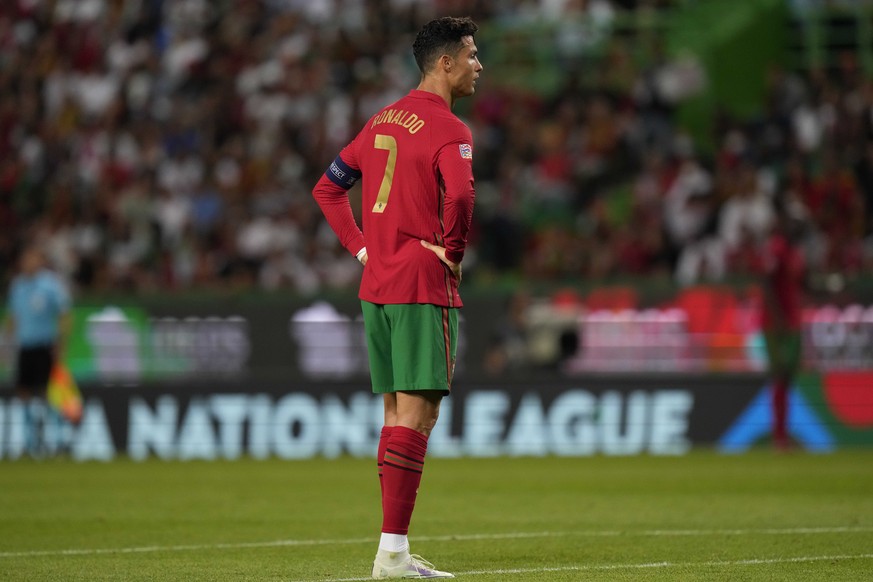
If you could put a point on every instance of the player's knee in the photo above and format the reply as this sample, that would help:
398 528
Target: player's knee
430 422
425 424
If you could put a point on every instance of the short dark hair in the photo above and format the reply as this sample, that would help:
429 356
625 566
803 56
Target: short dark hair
441 36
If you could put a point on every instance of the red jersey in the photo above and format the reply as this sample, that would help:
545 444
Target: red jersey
415 161
785 266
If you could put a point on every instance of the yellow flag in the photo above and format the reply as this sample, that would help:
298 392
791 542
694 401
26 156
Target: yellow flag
63 393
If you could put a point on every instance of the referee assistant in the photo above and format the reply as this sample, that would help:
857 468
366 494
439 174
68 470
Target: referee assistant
39 320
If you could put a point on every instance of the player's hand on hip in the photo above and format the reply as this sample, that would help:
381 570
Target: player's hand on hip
440 252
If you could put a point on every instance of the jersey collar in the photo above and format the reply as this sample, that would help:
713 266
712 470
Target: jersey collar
417 93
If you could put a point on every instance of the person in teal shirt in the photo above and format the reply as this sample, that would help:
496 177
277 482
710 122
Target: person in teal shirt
39 321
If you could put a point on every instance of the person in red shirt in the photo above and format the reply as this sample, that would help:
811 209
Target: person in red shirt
784 281
414 160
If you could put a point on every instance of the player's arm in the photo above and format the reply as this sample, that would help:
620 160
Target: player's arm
331 194
455 164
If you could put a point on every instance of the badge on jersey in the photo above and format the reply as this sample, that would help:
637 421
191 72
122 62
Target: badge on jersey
466 151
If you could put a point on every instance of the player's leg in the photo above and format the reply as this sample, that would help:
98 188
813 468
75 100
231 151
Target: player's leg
424 344
377 331
783 350
780 411
33 368
30 413
403 464
390 403
790 349
424 339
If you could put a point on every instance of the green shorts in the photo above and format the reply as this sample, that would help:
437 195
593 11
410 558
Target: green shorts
783 351
411 346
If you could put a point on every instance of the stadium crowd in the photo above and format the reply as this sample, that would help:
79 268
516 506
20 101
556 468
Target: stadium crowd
151 144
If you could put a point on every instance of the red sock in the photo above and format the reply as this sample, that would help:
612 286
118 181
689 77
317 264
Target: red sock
380 454
401 475
780 410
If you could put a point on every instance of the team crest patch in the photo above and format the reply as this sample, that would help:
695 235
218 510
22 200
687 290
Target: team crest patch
466 151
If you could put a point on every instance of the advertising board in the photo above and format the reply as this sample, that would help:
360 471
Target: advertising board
608 415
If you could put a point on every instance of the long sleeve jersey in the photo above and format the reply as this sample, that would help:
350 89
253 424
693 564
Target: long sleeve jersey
414 159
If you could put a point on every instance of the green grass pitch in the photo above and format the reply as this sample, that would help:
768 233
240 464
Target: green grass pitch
704 516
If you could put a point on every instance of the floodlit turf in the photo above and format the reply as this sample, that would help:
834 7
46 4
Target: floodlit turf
759 516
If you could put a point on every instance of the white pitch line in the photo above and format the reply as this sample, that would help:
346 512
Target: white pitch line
442 538
642 566
183 548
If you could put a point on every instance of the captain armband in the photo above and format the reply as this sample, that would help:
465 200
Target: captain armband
342 174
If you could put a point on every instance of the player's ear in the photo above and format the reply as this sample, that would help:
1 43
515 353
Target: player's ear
446 62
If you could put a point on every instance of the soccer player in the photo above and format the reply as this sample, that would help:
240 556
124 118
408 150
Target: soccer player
414 159
784 281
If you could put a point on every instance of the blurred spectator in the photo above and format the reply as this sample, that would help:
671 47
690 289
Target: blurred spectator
864 176
173 144
689 213
745 217
508 345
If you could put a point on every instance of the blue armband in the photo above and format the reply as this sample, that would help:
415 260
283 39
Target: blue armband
342 174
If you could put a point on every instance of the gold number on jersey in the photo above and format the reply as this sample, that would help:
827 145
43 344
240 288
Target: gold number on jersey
386 142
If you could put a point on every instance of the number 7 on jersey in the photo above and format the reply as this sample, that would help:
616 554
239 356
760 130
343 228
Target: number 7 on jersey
386 142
